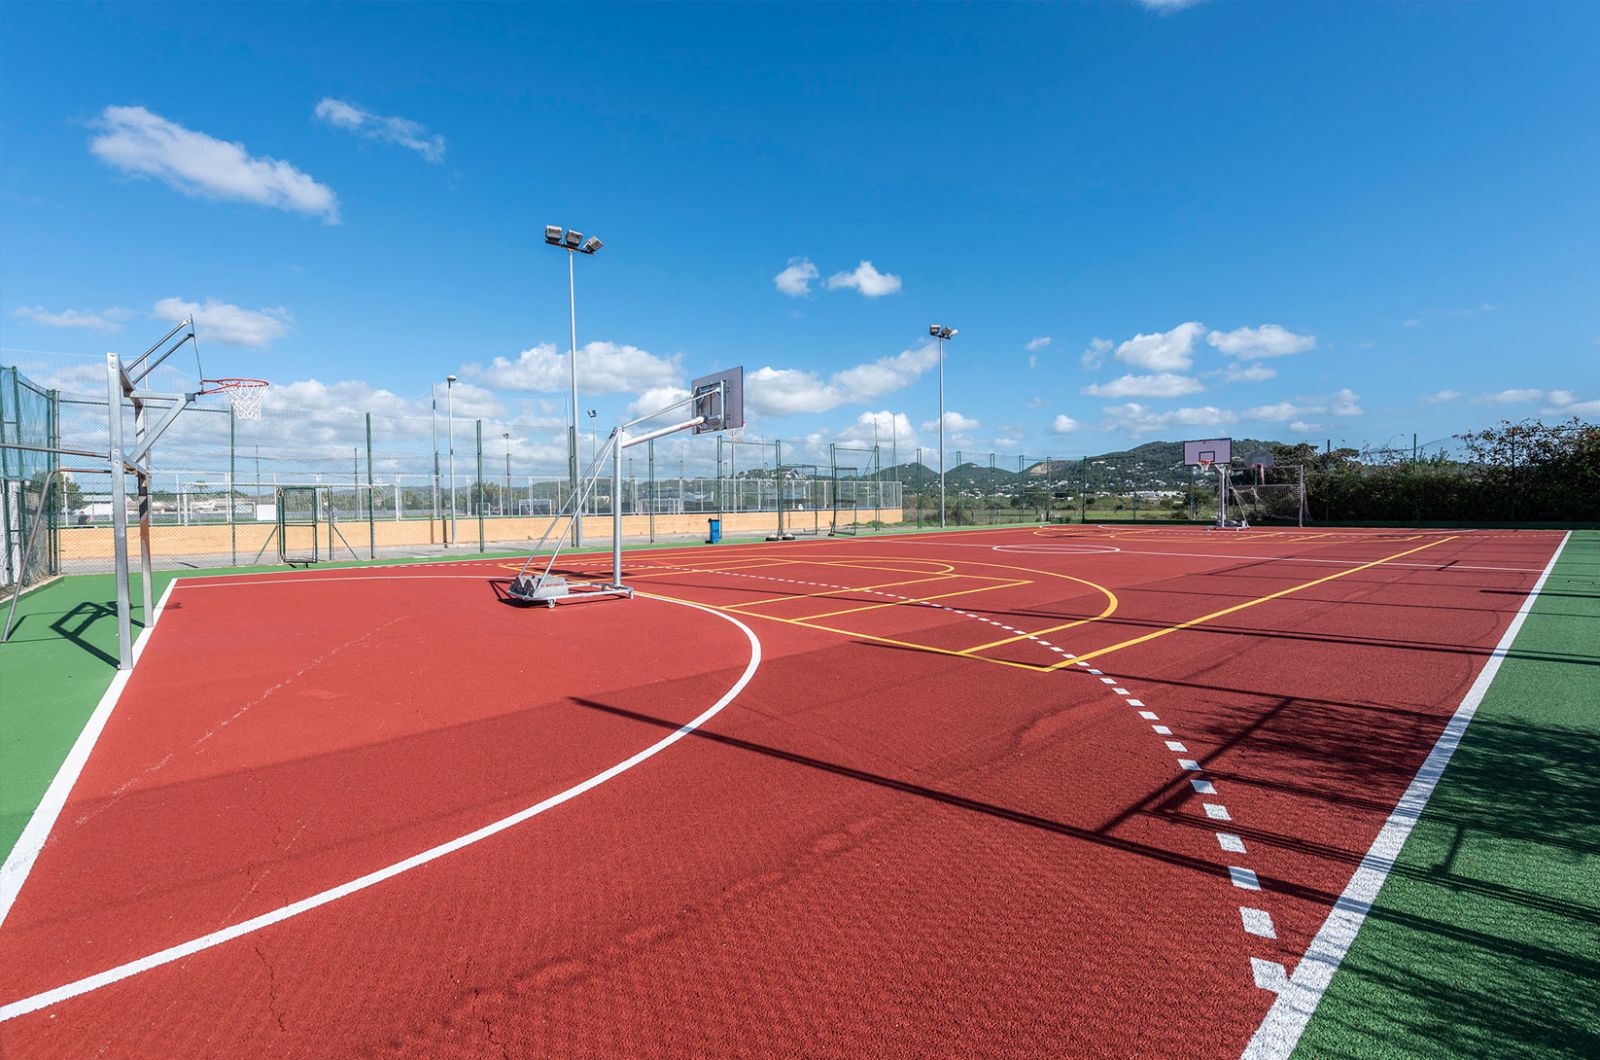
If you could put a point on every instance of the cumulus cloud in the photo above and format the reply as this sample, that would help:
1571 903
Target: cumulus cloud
105 320
1248 373
1063 424
1514 396
1162 384
603 368
953 421
1162 351
1166 6
795 279
784 391
1035 345
387 129
230 325
140 143
1138 419
1344 402
1095 354
866 279
1566 403
1269 340
1440 397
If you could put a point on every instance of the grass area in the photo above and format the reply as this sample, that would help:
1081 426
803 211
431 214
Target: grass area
1485 941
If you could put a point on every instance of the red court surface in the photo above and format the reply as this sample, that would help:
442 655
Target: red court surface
1071 790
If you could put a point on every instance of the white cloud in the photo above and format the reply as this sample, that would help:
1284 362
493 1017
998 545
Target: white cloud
795 280
105 320
603 368
1514 396
1302 426
1033 361
135 141
890 425
1141 419
866 279
953 421
1440 397
230 325
1095 354
1063 424
1566 403
784 391
393 130
1162 384
659 397
888 429
1248 373
1035 345
1162 351
1414 322
1269 340
1345 402
1166 6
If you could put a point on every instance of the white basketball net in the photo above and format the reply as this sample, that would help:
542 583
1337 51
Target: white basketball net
245 397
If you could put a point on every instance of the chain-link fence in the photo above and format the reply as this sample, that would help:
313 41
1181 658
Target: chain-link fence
391 481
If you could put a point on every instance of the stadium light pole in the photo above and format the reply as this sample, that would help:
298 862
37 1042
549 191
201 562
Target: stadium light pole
573 243
450 418
941 333
507 496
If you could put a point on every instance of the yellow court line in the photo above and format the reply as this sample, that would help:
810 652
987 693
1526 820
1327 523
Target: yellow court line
1111 605
919 599
714 570
1086 656
845 589
948 568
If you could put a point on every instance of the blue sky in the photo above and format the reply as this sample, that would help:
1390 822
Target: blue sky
1295 221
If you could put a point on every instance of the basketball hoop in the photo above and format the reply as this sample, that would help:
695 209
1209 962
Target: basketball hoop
1204 464
243 394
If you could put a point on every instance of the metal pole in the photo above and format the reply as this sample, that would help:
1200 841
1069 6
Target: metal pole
450 415
146 579
119 512
941 431
479 485
616 508
233 503
433 396
572 437
372 497
505 498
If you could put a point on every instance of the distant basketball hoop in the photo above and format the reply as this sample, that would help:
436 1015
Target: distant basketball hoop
243 394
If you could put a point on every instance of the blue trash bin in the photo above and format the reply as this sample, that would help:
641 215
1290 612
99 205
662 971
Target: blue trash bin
716 531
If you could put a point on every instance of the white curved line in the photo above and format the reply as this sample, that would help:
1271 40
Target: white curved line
305 905
1057 550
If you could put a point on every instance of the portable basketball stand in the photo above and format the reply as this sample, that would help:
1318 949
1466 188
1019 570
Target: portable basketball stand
716 403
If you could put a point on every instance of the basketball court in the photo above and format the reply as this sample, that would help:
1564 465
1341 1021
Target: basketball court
1069 790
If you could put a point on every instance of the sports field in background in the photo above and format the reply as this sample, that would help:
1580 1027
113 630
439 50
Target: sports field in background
1029 790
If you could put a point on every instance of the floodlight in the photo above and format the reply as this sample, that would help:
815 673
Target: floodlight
592 245
949 333
933 329
552 234
450 379
574 238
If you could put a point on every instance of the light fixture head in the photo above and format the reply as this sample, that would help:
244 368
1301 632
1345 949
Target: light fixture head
552 235
933 329
948 333
574 238
450 379
592 244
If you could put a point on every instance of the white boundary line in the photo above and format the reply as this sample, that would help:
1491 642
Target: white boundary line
216 938
37 831
1286 1020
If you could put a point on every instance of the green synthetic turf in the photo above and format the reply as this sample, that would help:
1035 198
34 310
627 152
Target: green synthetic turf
58 663
1485 940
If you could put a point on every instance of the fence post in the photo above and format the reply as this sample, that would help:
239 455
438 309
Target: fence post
1083 490
650 488
372 499
233 504
479 485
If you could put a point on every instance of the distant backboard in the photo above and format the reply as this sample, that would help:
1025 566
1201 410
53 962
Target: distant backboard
1260 459
719 397
1216 450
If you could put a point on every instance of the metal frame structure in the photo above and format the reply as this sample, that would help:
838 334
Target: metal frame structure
874 463
715 400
